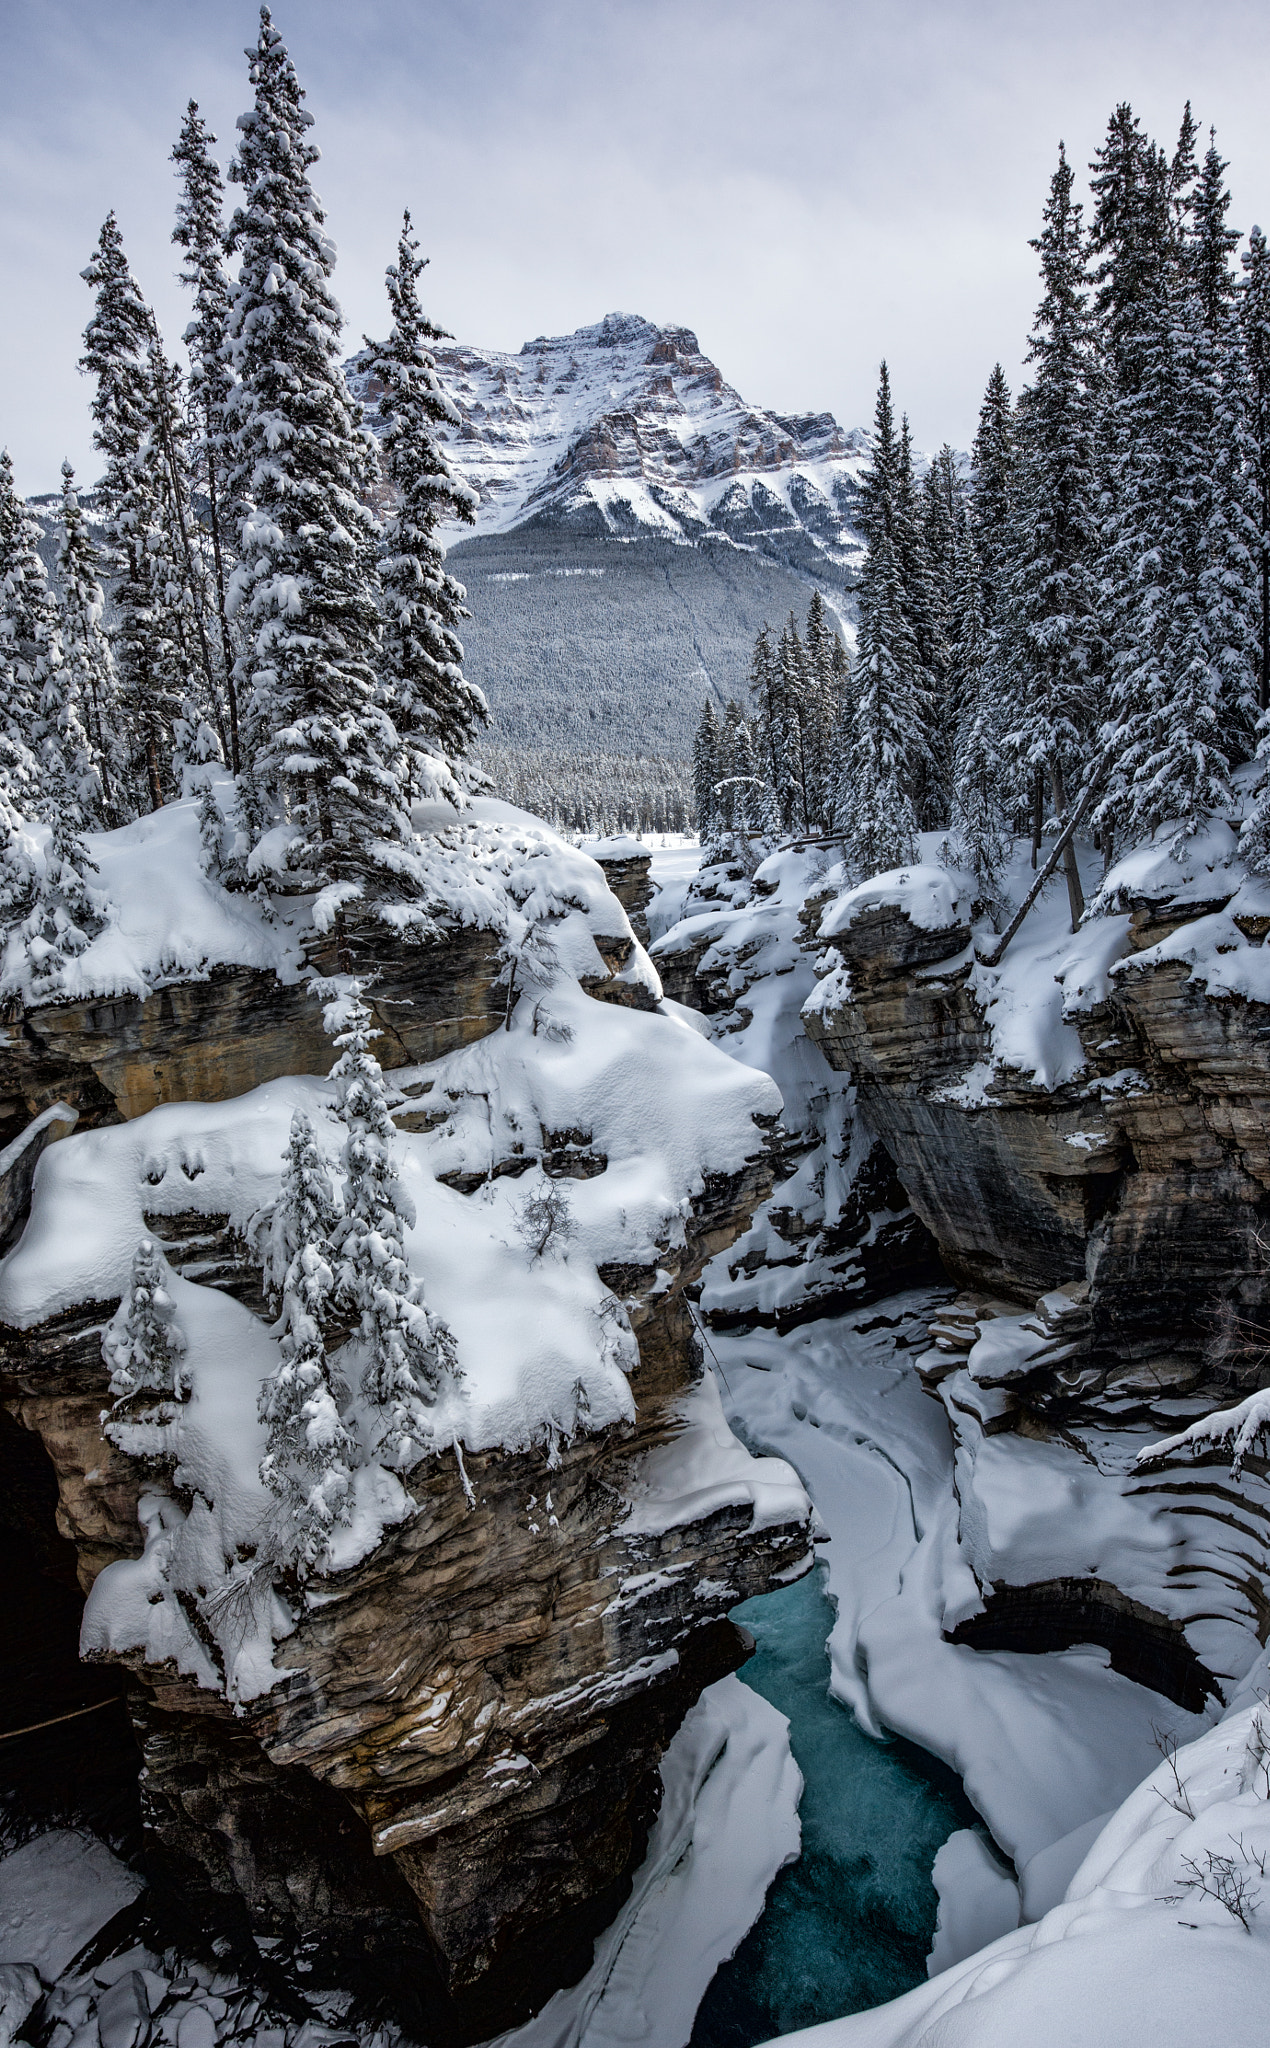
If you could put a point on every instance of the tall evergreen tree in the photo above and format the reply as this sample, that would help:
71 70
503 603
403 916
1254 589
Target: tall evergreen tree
86 658
1052 593
1221 425
435 709
316 738
981 838
767 712
1254 311
117 352
993 464
798 706
1175 662
30 642
199 232
888 756
705 772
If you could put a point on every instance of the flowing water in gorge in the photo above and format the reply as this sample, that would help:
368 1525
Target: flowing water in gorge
850 1923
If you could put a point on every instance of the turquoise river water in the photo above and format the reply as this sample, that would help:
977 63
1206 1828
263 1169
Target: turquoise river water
850 1923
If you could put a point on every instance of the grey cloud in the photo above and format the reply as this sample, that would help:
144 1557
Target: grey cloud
809 185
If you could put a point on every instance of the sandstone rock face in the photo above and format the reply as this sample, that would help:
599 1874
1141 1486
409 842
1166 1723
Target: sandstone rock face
629 876
444 1797
204 1041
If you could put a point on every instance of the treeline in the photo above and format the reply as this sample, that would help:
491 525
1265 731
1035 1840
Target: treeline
594 793
769 767
273 645
1085 615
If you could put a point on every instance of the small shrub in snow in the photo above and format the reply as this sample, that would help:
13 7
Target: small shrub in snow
545 1221
1228 1880
144 1344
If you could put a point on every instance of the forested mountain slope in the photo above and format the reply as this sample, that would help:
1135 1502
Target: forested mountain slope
637 524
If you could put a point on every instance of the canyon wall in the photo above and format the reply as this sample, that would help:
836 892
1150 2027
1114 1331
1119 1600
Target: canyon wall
442 1799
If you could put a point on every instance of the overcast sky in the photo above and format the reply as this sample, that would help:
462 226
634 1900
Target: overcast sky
808 184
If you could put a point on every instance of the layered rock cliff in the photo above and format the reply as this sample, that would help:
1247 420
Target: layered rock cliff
1082 1130
838 1230
430 1771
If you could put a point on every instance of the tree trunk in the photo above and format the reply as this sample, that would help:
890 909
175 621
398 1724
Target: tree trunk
1075 894
1263 693
1038 812
152 769
222 612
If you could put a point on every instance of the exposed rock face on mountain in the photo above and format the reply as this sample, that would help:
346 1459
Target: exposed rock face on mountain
440 1790
638 524
626 427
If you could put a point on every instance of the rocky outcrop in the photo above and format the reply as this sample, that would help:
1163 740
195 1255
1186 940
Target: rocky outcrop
1107 1235
444 1797
208 1040
628 872
1139 1187
839 1230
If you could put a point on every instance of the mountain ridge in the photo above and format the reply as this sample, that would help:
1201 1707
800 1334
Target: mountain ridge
627 429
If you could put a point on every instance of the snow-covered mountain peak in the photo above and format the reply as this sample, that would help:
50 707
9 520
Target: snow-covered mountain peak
627 427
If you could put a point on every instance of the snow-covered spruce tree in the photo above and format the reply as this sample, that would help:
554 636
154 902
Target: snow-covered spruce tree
769 717
927 623
436 711
144 1344
824 651
199 232
992 468
1050 596
1228 545
117 352
28 616
317 744
886 755
981 839
942 497
41 708
405 1354
88 666
1254 316
705 772
310 1453
1169 681
19 879
30 644
63 919
798 698
180 570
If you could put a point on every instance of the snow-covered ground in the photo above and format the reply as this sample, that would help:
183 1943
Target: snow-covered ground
1139 1834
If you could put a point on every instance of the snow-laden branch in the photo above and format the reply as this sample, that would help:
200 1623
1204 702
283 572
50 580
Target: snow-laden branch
1237 1428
